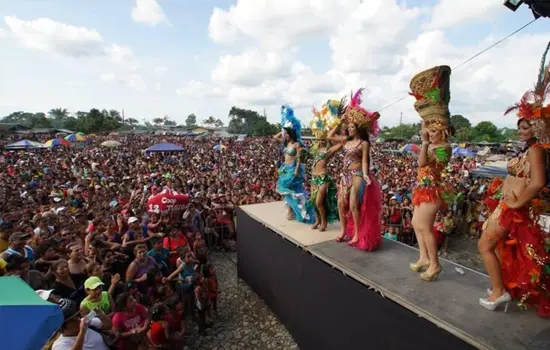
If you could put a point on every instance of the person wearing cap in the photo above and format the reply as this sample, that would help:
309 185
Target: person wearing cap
81 333
133 236
96 297
18 245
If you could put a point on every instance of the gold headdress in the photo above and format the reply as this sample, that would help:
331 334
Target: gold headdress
359 116
535 104
327 118
431 90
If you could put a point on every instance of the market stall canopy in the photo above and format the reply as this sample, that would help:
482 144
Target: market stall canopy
24 144
76 138
410 148
165 147
26 321
56 142
462 152
490 171
111 143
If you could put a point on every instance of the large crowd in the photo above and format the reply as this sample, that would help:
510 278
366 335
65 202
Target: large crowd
74 226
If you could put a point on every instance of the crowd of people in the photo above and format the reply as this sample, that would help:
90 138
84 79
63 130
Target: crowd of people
75 226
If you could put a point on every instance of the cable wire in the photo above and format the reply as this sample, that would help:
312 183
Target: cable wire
473 57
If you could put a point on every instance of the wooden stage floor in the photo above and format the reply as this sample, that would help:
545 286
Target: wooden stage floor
451 302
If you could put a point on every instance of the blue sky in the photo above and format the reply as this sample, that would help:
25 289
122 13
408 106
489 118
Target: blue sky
185 57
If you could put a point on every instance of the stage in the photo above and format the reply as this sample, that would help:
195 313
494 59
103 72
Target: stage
331 296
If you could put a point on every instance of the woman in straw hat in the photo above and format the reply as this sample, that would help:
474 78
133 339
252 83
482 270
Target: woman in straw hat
431 90
521 270
323 187
360 197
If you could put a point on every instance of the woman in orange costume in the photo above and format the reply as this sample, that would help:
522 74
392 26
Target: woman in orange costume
522 272
431 90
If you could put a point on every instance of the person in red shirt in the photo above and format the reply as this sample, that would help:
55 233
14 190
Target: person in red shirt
172 242
159 334
131 322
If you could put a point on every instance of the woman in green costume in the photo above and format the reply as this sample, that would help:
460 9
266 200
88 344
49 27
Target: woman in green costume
323 187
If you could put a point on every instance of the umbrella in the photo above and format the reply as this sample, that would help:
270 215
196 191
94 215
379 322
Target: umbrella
56 142
24 144
111 143
27 320
219 147
462 152
410 148
75 138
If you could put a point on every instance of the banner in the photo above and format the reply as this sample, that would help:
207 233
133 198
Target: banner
167 201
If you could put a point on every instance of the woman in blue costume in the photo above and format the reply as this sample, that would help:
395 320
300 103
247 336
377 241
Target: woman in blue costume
323 188
290 183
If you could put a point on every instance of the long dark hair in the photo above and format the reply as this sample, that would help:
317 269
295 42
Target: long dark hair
291 134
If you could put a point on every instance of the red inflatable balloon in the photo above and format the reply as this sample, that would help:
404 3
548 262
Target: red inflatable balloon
167 201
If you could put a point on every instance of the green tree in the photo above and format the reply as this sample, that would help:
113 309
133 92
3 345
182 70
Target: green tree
459 122
218 123
403 131
210 121
245 121
191 120
132 121
486 131
59 116
158 121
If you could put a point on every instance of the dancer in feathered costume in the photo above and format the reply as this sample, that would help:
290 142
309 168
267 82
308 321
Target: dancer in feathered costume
323 187
522 273
431 90
290 183
360 197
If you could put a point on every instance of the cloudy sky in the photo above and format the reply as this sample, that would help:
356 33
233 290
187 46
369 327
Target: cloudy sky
176 57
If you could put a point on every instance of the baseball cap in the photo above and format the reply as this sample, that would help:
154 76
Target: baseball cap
44 294
132 220
93 283
18 236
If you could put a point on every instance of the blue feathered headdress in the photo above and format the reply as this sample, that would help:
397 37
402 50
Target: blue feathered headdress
289 121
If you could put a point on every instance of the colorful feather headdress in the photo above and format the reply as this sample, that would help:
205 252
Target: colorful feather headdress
327 118
431 88
289 121
535 103
359 116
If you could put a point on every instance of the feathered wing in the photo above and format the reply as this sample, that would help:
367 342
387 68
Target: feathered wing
356 98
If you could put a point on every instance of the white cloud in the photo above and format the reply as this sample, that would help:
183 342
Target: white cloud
148 12
252 67
276 24
3 33
118 53
451 13
372 38
44 34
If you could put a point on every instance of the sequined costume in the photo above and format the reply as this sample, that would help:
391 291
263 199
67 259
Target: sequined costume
291 177
330 200
370 202
430 188
523 252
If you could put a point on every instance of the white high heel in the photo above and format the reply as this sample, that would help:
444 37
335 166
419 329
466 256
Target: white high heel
492 305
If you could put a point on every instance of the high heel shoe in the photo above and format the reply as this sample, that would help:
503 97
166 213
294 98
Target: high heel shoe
492 305
417 267
425 276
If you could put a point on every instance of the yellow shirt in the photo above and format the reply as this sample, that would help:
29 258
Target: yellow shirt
3 245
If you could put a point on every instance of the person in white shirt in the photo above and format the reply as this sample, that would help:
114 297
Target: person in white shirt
81 333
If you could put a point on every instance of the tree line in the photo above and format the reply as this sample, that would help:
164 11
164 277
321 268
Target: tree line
241 121
464 131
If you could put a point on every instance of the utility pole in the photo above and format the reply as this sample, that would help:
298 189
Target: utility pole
401 119
122 116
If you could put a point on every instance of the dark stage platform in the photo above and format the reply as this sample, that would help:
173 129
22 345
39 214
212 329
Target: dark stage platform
331 296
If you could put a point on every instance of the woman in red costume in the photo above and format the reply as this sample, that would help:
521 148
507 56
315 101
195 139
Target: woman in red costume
431 90
360 197
520 271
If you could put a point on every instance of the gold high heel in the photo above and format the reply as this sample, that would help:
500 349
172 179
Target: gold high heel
430 278
417 267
